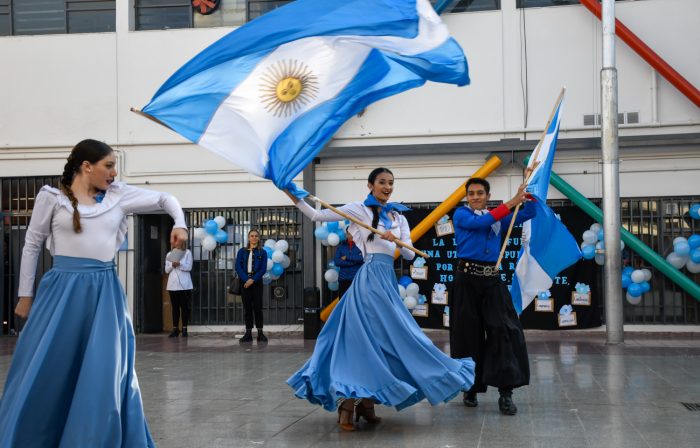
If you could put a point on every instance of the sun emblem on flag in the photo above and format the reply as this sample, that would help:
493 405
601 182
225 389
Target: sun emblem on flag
286 86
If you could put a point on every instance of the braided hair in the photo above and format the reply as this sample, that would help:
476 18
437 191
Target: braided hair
375 210
88 150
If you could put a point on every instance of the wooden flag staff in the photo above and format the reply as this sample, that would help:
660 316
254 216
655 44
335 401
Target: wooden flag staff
528 173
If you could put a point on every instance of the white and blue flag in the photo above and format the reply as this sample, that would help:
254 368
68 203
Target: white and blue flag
269 95
547 245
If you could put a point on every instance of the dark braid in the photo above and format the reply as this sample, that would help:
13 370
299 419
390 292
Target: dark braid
375 210
88 150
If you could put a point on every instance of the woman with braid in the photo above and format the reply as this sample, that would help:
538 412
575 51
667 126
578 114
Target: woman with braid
72 381
371 350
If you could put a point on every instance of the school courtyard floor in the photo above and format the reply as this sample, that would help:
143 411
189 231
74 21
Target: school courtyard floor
209 391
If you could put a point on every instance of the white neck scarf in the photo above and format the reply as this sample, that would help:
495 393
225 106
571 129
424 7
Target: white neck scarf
496 226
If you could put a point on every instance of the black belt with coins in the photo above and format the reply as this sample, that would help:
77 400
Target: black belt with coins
479 269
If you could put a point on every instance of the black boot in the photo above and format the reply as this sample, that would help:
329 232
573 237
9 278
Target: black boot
470 400
505 403
174 333
261 336
247 337
184 332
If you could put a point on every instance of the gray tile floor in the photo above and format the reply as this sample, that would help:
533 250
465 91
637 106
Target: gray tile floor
208 391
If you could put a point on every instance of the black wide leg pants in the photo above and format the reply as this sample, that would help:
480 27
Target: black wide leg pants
485 327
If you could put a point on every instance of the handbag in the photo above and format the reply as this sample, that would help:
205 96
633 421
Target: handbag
234 286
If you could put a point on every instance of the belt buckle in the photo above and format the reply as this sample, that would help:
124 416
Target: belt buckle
489 271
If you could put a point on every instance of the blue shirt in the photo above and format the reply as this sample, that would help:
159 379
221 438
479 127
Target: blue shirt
259 264
476 239
351 264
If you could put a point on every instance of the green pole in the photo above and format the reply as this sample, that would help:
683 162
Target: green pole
630 240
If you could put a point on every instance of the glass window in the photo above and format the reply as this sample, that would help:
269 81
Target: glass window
171 14
471 5
540 3
25 17
5 18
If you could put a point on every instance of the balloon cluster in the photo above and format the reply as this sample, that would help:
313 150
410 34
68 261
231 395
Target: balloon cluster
331 233
593 245
331 276
410 292
695 211
544 295
686 252
211 233
636 282
277 260
582 288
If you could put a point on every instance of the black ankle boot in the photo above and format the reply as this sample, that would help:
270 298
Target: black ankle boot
247 337
184 332
174 333
261 336
470 400
505 403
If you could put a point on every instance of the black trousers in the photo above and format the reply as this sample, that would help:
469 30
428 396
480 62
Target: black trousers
485 327
343 286
252 304
180 300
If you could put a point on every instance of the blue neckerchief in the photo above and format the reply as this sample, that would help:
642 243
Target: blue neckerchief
384 210
99 196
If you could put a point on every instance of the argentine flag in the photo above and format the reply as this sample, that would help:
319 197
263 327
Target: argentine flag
269 95
547 246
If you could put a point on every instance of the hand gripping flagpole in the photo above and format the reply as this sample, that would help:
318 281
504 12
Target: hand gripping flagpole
363 225
528 173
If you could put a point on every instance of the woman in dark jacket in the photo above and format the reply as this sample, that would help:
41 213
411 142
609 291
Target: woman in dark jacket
251 265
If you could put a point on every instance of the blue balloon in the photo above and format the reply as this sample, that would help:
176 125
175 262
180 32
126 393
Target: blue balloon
321 233
211 227
601 235
542 295
694 241
341 235
627 270
695 255
681 248
277 269
646 287
269 251
405 281
626 281
221 236
588 252
635 290
333 286
332 226
695 211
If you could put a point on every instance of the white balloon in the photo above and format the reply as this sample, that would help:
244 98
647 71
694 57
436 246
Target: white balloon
590 237
220 221
274 277
600 245
282 245
412 290
269 263
647 275
600 259
270 243
331 276
595 227
680 239
410 302
637 276
622 245
286 262
676 260
200 233
324 242
693 268
277 256
402 291
634 300
209 243
333 239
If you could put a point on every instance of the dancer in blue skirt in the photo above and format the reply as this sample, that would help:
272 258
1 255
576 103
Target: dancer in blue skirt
72 381
371 349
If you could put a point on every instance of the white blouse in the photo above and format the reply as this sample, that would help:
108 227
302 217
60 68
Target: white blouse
358 210
103 225
179 278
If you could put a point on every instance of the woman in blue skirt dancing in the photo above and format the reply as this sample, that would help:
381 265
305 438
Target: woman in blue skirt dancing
72 381
371 350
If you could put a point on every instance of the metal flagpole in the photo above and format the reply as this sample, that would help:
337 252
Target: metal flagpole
611 180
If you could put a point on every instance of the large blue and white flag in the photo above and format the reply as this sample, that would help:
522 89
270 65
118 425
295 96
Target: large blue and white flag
547 245
270 94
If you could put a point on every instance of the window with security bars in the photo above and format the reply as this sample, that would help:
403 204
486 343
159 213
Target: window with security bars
470 5
172 14
28 17
212 271
542 3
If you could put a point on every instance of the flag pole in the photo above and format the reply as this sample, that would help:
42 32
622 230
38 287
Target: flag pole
365 226
528 173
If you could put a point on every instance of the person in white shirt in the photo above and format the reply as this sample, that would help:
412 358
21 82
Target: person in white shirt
371 350
72 380
179 288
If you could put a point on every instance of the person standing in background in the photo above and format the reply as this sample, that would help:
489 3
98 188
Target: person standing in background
179 288
251 265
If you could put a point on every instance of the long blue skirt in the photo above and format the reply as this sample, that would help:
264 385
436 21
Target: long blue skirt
371 347
72 381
